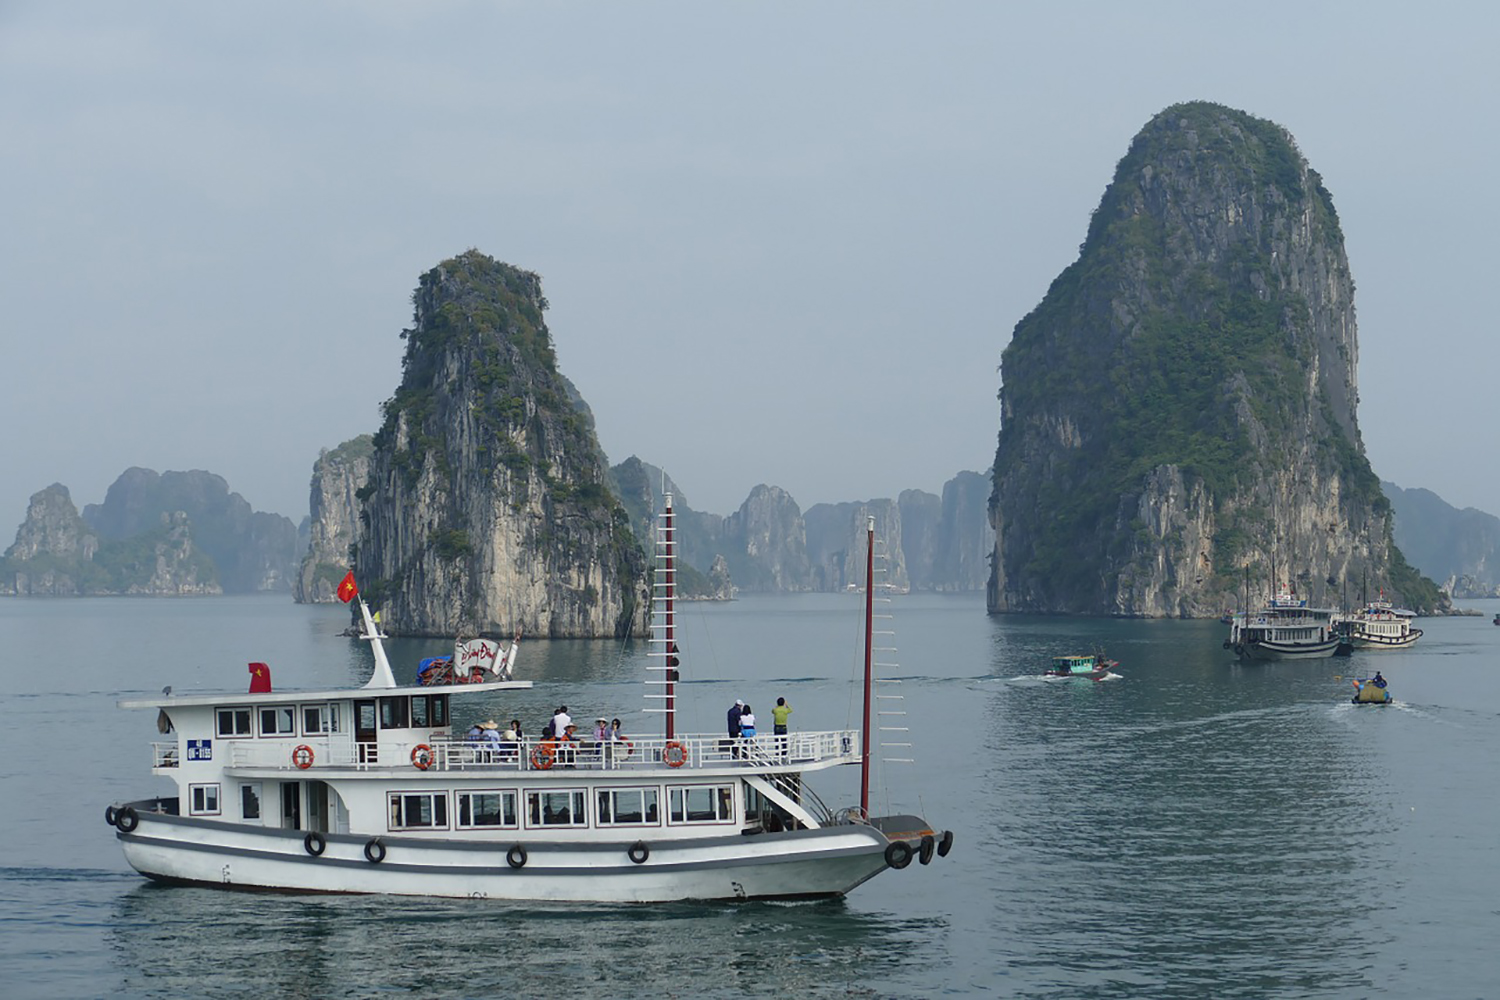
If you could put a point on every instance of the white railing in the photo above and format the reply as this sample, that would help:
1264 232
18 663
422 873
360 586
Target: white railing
449 754
164 754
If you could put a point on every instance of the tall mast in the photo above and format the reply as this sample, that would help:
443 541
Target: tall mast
671 625
864 742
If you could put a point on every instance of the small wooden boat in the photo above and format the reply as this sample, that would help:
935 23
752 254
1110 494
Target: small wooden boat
1091 667
1371 691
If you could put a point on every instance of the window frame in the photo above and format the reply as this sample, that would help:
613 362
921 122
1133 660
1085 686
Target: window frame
463 799
210 791
247 733
604 817
247 789
577 817
721 804
290 719
328 718
438 803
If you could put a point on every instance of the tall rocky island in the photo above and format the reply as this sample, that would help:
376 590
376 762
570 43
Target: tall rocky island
488 507
1178 414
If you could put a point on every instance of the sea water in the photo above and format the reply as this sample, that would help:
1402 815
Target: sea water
1196 828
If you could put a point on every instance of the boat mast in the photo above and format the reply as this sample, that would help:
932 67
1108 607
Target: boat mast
671 594
864 743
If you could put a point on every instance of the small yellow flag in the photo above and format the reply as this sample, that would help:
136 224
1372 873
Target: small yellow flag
376 617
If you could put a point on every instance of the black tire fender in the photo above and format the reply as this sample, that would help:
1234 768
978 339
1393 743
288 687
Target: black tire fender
945 844
315 844
924 853
639 852
898 854
516 856
126 819
110 815
374 851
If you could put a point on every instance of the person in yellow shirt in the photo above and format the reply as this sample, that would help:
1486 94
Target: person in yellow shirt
778 723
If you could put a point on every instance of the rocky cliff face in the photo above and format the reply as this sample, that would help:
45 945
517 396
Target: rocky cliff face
966 541
251 550
836 534
57 554
1180 408
333 527
488 506
765 542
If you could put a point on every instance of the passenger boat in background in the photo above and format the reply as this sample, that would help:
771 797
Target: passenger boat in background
1377 625
369 791
1089 667
1285 629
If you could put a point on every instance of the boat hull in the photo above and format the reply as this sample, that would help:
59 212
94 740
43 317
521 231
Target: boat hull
1384 642
1287 651
790 865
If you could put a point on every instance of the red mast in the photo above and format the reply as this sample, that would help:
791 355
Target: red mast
864 747
669 593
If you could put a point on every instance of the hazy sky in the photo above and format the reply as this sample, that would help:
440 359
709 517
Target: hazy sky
783 243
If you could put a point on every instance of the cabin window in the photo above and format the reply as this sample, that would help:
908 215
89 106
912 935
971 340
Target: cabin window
487 810
278 720
419 810
233 721
250 801
439 710
419 711
627 807
320 719
203 800
701 804
555 809
393 713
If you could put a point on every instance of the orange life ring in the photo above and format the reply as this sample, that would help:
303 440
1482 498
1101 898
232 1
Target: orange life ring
421 756
543 756
302 757
674 753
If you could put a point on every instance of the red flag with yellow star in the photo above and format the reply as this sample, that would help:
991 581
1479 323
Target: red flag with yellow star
347 589
260 678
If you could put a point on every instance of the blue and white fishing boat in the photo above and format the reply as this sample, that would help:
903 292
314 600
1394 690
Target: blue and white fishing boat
1378 625
368 790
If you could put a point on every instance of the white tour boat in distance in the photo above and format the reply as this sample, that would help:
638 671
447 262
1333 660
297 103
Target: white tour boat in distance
1378 625
368 791
1285 629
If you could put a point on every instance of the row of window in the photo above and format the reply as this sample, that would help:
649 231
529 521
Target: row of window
496 809
277 720
419 711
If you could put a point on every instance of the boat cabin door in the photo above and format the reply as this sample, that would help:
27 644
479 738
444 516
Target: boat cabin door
365 718
291 805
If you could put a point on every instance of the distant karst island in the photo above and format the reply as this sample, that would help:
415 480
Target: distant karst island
1177 421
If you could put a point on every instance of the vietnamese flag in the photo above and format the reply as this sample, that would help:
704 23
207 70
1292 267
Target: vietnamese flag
347 589
260 678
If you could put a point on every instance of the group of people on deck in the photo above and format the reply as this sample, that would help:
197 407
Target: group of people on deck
560 735
741 722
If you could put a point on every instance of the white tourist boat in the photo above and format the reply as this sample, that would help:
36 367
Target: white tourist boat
1285 629
368 791
1378 625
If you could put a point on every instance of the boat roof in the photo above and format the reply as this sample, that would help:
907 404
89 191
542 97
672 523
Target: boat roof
290 695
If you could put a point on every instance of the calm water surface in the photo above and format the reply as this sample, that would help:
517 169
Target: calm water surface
1194 829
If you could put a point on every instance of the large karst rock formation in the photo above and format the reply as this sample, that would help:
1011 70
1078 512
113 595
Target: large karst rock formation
1178 414
488 507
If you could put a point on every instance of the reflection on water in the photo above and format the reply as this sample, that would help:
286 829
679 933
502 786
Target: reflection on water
179 942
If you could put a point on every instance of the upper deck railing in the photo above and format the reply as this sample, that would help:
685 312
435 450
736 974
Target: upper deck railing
685 753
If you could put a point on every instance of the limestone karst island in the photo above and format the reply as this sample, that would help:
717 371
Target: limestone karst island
1178 430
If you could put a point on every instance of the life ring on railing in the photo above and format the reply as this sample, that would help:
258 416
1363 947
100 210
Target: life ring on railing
126 819
374 851
421 756
639 852
315 843
516 857
302 756
110 815
898 854
674 754
542 758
